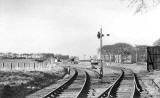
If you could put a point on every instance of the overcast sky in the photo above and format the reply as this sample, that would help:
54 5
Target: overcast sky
70 26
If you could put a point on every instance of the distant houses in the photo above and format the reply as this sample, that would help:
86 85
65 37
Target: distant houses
19 56
37 56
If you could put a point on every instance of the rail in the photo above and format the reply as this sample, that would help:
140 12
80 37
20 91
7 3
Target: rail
137 89
58 90
83 92
107 92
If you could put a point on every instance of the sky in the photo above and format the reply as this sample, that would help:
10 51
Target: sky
70 26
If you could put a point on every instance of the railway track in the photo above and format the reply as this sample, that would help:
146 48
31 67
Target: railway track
98 86
76 87
85 83
126 86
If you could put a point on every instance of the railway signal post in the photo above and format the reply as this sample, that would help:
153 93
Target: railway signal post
100 35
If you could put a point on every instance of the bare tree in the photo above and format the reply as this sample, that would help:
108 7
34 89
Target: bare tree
142 5
157 42
118 48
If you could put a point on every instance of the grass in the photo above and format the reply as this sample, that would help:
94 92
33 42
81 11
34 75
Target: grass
18 84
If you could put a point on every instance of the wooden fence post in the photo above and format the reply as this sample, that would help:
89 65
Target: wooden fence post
18 65
11 65
34 65
24 66
3 65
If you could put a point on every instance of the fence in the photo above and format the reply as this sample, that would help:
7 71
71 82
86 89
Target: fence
23 66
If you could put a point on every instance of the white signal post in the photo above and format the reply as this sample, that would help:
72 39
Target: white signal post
101 68
100 35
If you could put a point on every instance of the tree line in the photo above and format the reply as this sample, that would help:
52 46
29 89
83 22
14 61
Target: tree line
138 52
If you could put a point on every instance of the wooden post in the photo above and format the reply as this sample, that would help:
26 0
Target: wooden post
29 66
3 65
34 65
11 66
18 65
24 66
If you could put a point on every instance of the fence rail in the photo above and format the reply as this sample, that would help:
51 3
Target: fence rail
23 66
